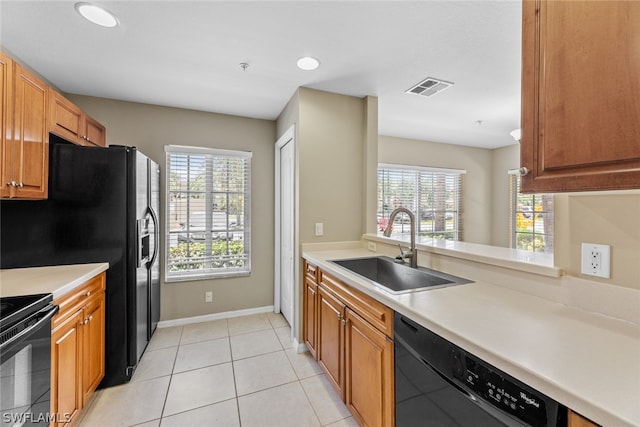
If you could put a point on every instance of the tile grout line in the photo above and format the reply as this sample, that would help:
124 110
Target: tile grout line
164 404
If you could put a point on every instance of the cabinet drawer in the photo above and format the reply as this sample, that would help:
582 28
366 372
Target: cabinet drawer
377 314
76 299
311 271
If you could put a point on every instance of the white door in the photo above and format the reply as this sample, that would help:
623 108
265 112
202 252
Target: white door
286 230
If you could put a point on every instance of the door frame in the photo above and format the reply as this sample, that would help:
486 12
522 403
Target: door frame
287 137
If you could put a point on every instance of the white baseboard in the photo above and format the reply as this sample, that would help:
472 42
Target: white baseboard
215 316
299 346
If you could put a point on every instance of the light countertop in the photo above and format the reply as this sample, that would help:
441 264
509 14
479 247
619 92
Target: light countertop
588 362
56 280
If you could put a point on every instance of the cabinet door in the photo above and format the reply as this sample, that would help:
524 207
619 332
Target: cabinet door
6 123
580 104
369 388
66 375
310 315
95 133
331 338
577 420
65 118
30 145
93 345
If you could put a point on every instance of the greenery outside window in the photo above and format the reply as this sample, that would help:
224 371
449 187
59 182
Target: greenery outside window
434 195
531 219
208 223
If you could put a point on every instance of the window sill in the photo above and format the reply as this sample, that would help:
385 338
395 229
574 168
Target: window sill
515 259
206 276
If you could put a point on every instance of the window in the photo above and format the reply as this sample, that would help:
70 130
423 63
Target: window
208 218
531 219
433 195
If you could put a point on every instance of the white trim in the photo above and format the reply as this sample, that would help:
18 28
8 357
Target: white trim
215 316
421 168
287 137
299 347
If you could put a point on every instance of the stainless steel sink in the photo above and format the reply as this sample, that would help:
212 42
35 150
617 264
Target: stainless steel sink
398 278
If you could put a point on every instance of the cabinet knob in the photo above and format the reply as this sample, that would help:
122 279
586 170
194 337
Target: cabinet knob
21 185
523 171
12 184
87 294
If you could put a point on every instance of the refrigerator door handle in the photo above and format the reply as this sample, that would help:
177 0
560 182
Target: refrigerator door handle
156 237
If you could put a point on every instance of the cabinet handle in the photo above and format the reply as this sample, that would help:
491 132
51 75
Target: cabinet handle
523 171
90 318
344 321
12 184
87 294
21 185
85 321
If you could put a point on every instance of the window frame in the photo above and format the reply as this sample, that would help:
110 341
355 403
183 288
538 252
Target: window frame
418 199
514 211
208 272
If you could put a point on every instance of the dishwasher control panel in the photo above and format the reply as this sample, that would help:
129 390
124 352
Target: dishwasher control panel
500 391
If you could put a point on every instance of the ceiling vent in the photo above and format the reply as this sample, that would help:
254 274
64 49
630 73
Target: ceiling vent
429 87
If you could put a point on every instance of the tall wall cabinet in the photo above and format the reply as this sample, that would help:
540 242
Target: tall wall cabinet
580 95
350 335
24 148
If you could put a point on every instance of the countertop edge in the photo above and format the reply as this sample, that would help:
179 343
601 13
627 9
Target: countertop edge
56 280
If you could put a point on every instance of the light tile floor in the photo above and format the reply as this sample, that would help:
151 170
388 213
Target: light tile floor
234 372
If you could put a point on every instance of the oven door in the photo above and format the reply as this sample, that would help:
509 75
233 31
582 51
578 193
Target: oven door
424 397
25 371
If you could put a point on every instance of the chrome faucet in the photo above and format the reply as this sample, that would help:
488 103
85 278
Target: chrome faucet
411 254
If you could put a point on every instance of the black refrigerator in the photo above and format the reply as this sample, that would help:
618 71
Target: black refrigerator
103 206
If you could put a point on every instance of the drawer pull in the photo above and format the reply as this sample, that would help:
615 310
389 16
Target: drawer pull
87 294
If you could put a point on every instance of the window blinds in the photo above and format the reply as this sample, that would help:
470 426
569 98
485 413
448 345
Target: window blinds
208 213
433 195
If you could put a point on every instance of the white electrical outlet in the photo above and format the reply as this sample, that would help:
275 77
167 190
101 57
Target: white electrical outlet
208 296
371 246
319 229
596 260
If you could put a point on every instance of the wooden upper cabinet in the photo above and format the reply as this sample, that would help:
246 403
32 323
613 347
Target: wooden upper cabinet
71 123
6 123
25 137
580 95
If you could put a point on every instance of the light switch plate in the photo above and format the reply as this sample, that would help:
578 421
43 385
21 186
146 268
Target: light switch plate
596 260
319 229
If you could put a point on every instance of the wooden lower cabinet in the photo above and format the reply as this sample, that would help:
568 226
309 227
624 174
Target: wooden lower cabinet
331 338
353 345
66 353
577 420
77 349
369 388
310 315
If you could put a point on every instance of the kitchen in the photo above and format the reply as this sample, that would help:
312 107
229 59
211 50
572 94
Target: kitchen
329 123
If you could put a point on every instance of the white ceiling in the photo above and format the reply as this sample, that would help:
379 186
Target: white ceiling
187 54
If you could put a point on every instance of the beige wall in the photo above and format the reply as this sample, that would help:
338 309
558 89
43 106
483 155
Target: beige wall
609 218
330 143
150 128
477 181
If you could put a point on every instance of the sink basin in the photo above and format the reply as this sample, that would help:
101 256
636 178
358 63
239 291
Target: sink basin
398 278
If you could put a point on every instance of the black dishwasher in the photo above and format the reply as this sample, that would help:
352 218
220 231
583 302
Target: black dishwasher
439 384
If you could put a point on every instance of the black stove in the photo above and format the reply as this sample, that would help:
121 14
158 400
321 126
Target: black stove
15 309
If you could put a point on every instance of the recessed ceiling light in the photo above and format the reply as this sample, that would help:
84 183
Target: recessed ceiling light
308 63
96 14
